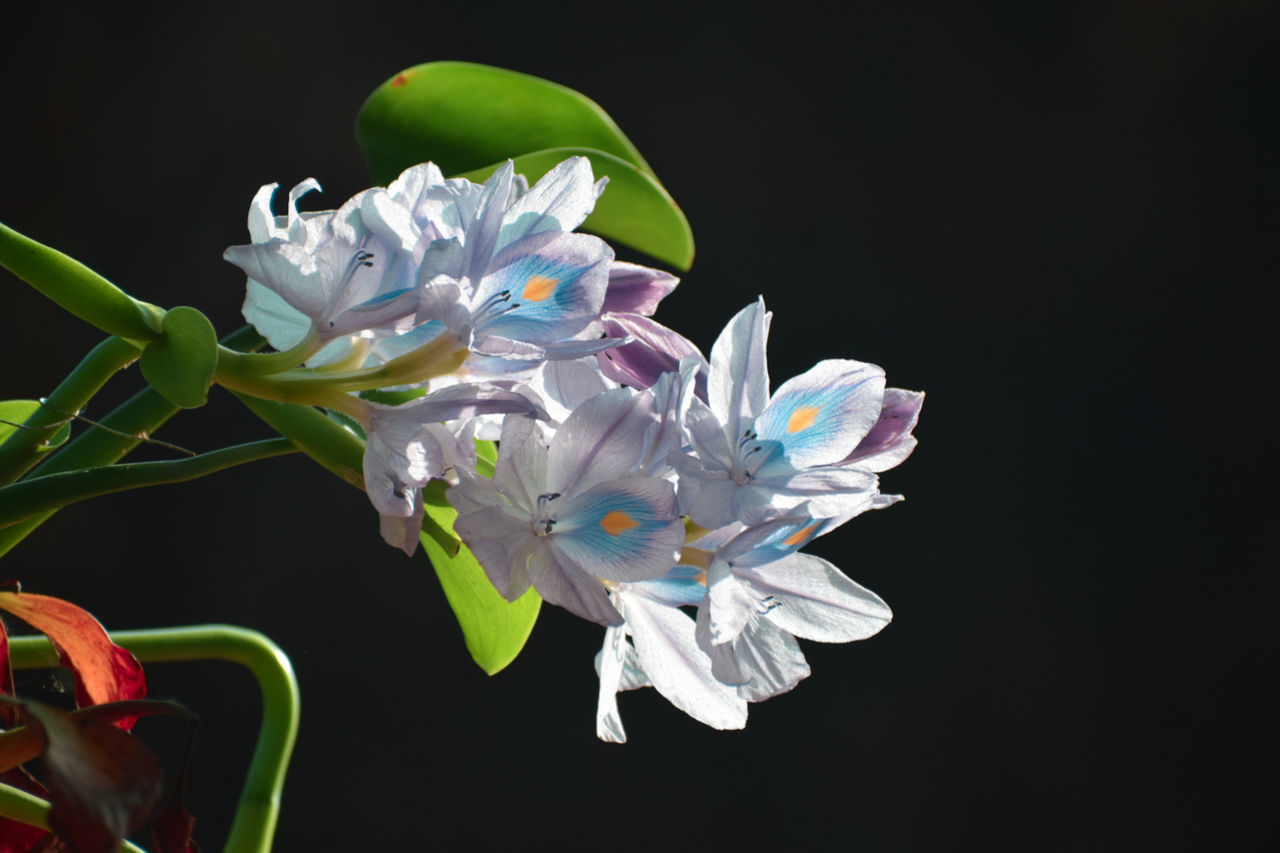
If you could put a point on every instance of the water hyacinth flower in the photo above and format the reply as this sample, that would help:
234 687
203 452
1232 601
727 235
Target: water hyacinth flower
758 455
566 515
322 276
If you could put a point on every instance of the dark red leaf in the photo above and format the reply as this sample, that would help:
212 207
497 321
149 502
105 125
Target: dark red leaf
18 837
103 782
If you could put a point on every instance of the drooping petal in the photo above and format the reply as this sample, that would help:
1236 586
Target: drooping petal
610 664
503 543
820 416
680 671
770 660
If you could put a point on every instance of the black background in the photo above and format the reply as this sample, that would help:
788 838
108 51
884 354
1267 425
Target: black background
1058 220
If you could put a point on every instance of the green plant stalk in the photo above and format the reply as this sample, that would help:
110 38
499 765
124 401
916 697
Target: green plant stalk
102 362
332 389
143 413
54 491
259 808
78 289
18 805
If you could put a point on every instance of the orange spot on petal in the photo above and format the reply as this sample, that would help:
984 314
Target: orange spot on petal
800 536
618 522
802 418
538 288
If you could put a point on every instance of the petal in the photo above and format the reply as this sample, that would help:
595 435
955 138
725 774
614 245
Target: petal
568 586
634 289
600 441
653 351
815 600
559 201
822 414
771 660
681 672
503 543
890 441
610 665
738 386
626 530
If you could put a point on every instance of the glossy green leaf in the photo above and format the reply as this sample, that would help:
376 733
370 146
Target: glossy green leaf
463 116
495 629
180 363
634 210
77 288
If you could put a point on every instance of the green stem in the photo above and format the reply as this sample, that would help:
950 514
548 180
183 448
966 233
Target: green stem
143 413
259 809
51 491
102 362
316 387
18 805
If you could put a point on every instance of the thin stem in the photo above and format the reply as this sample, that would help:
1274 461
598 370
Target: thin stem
259 808
71 395
263 364
51 491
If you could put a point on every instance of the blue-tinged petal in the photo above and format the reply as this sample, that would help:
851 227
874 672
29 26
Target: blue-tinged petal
816 601
559 201
773 540
828 491
822 414
683 586
707 437
680 671
547 287
738 387
626 530
481 240
280 323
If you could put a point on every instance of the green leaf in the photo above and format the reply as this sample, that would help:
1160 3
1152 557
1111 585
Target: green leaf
180 363
17 412
77 288
462 116
634 210
495 629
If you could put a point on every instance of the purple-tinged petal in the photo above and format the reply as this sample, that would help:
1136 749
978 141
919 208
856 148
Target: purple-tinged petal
634 289
600 442
890 441
500 538
653 351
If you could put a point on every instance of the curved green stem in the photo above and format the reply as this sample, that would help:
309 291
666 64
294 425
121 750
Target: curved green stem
259 809
52 491
102 362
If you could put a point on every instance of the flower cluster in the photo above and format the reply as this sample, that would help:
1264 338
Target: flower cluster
637 481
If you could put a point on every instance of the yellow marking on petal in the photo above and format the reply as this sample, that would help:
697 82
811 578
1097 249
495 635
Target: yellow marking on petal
701 577
800 536
802 418
618 522
538 288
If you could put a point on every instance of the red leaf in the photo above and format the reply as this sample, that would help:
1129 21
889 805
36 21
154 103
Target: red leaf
104 671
